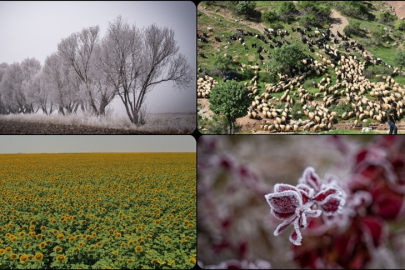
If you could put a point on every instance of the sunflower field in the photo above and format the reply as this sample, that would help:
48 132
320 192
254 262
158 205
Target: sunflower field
98 211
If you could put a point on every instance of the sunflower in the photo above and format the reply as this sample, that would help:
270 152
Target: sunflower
32 228
75 250
155 261
14 256
186 222
190 226
14 239
187 238
130 243
115 252
38 257
31 233
81 244
42 245
30 257
99 244
118 235
57 249
24 258
138 249
21 234
175 223
92 247
43 228
55 232
8 234
84 222
60 236
139 239
88 237
39 236
122 244
74 222
170 263
192 260
27 245
94 234
61 258
9 249
2 251
71 239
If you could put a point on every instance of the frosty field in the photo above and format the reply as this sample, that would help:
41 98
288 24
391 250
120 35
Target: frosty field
98 211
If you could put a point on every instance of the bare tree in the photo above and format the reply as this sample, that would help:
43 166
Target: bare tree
77 50
3 69
140 60
38 94
29 67
12 93
59 82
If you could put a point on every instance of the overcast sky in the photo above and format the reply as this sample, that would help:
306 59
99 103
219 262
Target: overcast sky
33 29
96 143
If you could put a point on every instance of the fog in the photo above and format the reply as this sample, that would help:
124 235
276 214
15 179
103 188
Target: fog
33 29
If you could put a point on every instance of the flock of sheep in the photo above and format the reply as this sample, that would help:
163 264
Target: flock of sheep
350 87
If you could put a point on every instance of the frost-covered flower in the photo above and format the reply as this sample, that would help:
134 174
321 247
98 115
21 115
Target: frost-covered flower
293 205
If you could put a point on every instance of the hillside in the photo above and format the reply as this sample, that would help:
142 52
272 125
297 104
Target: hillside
345 83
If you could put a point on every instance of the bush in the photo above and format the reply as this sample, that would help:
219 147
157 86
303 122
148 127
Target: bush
266 78
354 9
401 25
386 17
269 16
353 29
378 35
368 73
341 108
288 11
245 7
309 21
218 125
277 25
296 108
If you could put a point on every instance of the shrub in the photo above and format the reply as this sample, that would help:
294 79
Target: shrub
269 16
386 17
401 25
245 7
352 29
295 109
368 73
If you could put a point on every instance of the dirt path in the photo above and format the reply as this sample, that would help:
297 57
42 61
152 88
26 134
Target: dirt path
338 22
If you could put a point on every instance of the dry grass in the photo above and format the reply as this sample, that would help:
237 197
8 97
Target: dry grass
155 123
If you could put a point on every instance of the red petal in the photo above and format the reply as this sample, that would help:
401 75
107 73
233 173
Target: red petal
322 195
284 202
331 205
388 204
310 178
374 226
285 224
304 196
284 187
281 215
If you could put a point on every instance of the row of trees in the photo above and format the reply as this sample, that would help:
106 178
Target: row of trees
88 71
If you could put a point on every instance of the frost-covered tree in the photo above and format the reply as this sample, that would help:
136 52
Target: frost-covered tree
140 60
77 51
59 83
12 94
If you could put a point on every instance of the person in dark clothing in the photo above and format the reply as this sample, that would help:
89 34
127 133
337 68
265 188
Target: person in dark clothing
392 116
